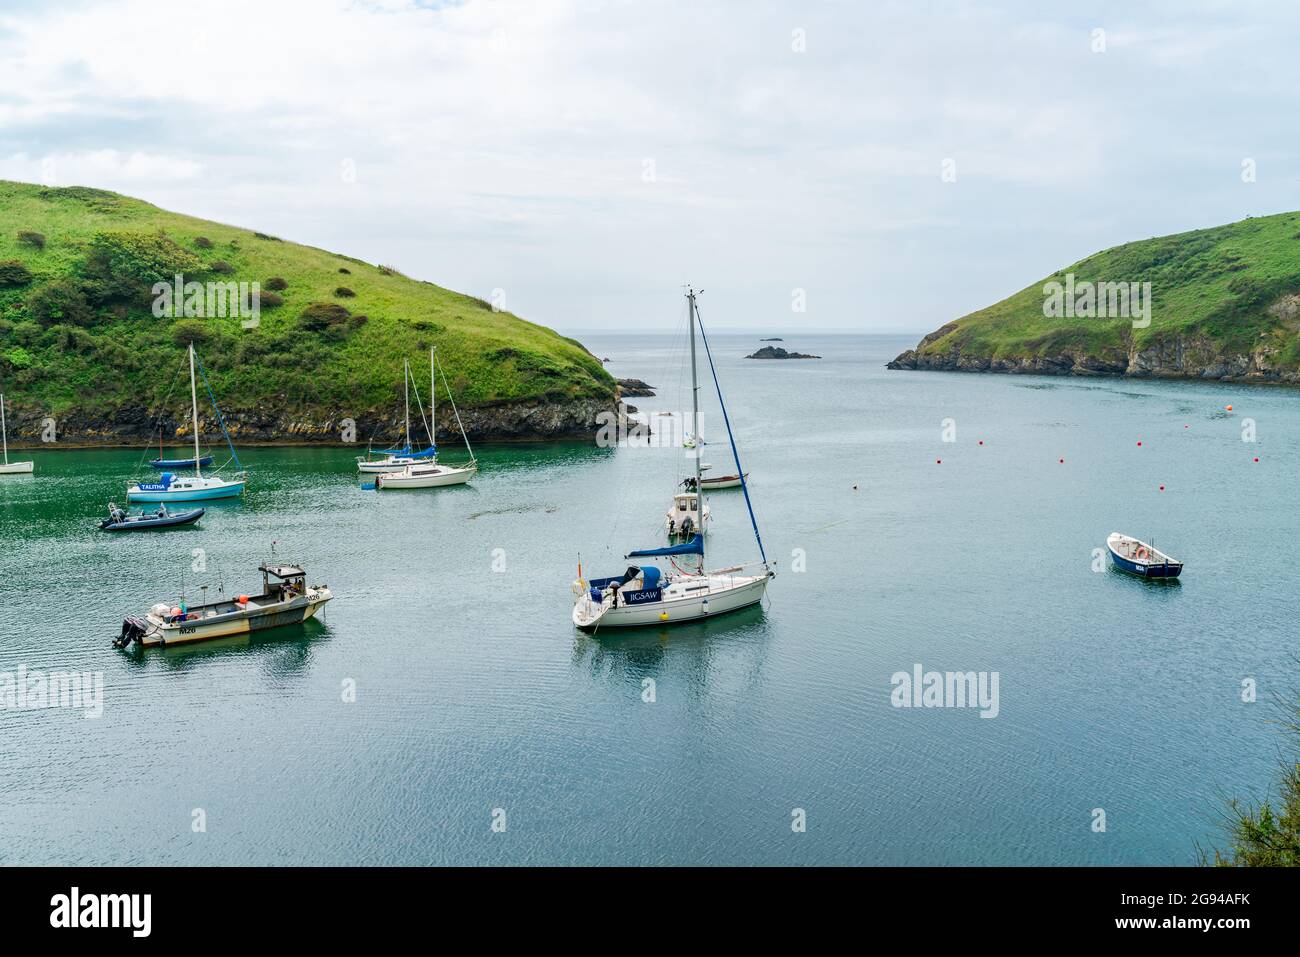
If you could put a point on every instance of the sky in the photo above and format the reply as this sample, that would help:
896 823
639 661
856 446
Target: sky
813 166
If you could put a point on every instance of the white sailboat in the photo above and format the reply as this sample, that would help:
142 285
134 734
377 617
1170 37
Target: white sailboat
646 594
190 488
10 468
430 473
394 460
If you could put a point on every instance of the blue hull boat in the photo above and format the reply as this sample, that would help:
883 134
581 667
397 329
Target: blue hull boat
178 463
1138 558
119 521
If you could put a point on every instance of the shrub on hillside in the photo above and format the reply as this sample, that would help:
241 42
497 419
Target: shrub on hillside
61 301
320 316
275 282
13 273
269 300
190 330
31 238
345 270
222 267
202 242
343 292
19 358
389 271
146 258
274 239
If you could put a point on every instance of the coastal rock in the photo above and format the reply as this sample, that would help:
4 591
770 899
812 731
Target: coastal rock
505 421
634 389
776 352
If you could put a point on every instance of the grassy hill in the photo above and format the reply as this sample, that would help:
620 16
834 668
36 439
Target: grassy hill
79 340
1225 304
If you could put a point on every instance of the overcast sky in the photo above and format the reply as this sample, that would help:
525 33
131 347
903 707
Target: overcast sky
588 158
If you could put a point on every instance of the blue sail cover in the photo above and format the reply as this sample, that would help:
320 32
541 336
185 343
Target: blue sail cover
407 453
694 547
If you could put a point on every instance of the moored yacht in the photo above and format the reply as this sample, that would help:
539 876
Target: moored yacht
647 595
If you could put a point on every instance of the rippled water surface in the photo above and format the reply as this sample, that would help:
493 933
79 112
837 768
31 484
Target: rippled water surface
474 692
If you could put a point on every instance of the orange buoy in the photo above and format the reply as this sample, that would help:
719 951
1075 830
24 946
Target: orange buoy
1228 407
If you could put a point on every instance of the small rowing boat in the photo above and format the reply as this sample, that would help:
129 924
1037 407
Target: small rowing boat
286 600
120 521
1138 558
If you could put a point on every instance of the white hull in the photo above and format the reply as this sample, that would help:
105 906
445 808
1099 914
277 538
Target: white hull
17 468
426 476
722 481
687 598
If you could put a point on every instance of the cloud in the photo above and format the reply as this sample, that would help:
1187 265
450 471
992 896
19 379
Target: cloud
579 154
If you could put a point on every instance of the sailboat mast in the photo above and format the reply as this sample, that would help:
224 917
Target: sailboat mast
433 403
194 408
695 423
4 427
406 383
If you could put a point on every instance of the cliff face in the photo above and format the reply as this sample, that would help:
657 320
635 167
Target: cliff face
1175 358
519 420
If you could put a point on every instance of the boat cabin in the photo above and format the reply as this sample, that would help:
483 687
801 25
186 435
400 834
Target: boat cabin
291 581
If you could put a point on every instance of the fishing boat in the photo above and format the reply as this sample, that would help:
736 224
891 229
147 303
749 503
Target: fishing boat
646 594
1138 558
197 487
286 599
119 521
683 518
10 468
430 473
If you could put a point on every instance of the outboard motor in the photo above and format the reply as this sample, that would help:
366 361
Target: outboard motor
133 629
688 525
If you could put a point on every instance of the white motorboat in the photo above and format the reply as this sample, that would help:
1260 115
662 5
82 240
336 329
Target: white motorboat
647 595
683 516
10 468
197 487
430 473
288 600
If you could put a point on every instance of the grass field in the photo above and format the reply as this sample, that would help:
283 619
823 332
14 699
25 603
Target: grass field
76 324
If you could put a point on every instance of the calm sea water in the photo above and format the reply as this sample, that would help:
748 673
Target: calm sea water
474 692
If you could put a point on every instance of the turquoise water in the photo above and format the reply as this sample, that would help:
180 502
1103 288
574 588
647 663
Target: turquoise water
474 692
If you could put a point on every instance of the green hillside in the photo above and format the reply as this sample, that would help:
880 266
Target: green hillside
1224 304
79 339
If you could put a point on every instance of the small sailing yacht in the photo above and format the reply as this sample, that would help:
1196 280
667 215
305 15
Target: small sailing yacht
646 594
196 487
10 468
394 460
431 474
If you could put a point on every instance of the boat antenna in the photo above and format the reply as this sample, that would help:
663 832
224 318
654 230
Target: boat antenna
695 426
